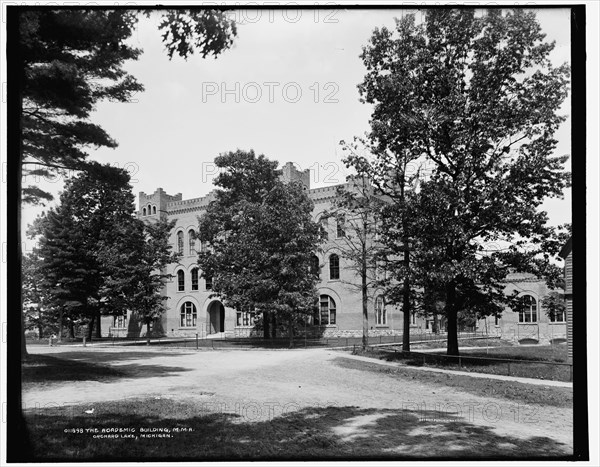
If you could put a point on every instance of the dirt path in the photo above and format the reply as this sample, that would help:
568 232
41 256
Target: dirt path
259 385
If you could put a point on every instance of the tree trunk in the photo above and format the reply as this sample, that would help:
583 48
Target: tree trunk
452 318
266 323
60 324
71 330
291 332
436 324
98 325
147 332
90 329
406 303
365 303
274 325
19 258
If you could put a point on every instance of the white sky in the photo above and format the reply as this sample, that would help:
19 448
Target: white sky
169 137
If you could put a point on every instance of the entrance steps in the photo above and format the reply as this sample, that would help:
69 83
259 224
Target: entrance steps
220 335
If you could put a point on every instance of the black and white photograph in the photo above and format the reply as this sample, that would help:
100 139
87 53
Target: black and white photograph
299 232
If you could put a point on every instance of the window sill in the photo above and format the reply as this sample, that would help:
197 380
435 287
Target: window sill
334 280
557 322
533 322
379 326
190 328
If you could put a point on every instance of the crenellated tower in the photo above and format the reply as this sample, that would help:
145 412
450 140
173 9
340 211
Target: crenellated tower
154 206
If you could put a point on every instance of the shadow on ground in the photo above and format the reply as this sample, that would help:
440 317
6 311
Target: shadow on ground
49 369
308 434
528 365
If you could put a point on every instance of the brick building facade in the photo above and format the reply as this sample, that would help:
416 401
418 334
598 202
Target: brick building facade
191 310
532 325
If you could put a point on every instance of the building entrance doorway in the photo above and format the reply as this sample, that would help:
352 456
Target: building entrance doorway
215 318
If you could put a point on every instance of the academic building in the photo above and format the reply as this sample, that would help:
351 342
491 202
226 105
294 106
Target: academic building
191 310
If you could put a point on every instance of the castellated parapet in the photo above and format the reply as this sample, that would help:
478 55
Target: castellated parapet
154 206
289 173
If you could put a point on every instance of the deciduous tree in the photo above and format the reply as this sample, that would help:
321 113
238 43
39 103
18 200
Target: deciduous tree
357 212
478 98
261 238
133 257
68 61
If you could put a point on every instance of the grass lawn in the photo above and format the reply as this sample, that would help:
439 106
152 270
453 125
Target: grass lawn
188 432
488 342
46 369
528 364
513 391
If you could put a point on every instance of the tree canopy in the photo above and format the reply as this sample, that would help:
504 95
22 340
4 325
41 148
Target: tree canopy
261 238
478 98
71 59
68 61
95 256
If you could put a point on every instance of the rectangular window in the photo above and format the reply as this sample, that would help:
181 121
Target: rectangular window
340 226
245 318
334 267
120 321
194 279
208 283
325 226
558 317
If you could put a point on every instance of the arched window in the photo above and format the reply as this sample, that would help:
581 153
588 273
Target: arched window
195 279
149 209
334 267
380 313
315 268
188 315
144 212
324 221
180 281
180 242
341 221
192 241
327 311
153 209
527 309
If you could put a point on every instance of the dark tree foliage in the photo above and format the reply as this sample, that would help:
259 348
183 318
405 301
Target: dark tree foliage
70 60
554 306
478 99
261 238
92 205
133 257
40 309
